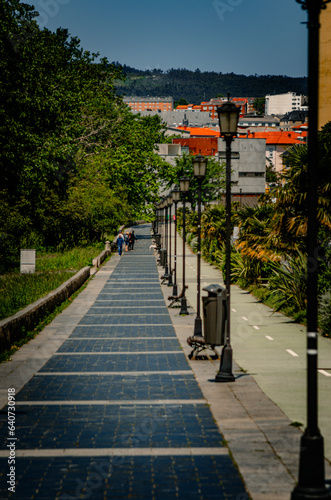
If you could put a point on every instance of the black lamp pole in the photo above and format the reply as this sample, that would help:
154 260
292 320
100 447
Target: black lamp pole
199 166
311 484
156 217
184 187
166 237
169 200
228 115
175 196
163 224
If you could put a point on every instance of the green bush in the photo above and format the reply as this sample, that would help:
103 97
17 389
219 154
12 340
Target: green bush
324 313
288 284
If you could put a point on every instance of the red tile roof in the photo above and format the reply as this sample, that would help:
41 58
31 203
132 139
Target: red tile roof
201 131
276 137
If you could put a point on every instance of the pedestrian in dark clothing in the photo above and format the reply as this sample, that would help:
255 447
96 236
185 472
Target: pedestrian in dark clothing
133 239
126 238
130 241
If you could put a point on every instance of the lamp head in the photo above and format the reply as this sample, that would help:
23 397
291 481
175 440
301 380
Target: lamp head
175 194
199 166
184 183
228 116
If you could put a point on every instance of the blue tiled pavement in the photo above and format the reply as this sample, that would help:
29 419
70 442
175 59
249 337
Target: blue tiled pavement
116 413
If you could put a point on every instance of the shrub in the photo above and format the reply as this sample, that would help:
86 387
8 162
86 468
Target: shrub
324 313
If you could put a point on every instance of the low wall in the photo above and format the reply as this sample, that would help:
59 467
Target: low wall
97 261
11 328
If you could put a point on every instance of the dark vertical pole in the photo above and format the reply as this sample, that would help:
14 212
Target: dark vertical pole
175 289
311 483
169 272
225 373
198 321
156 219
183 308
166 242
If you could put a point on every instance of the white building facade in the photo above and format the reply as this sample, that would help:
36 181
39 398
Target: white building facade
281 104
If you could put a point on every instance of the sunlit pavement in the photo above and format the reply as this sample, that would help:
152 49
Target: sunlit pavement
106 403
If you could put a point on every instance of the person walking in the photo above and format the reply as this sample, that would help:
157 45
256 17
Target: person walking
120 243
126 238
133 239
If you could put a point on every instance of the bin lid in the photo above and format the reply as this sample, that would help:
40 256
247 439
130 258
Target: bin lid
214 288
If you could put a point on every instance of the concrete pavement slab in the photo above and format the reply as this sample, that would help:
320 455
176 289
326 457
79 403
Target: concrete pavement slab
102 422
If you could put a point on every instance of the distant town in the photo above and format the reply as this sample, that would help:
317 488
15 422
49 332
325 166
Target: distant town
262 139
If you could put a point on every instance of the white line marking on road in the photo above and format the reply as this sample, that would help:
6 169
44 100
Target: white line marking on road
327 374
135 374
294 354
234 310
256 327
113 403
106 452
244 318
268 337
112 353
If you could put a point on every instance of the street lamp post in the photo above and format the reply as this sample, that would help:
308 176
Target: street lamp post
166 238
311 484
184 183
169 199
199 168
175 196
228 115
163 230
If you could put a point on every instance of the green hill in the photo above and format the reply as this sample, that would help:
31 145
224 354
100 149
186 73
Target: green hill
197 86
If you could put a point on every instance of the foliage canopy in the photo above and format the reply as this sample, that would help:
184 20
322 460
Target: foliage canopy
75 162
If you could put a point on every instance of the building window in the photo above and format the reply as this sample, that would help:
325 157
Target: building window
251 174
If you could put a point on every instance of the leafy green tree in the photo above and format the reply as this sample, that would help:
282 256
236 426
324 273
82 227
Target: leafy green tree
180 102
74 160
271 176
259 105
212 186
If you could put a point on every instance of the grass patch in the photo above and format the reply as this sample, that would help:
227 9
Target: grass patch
52 269
264 295
29 335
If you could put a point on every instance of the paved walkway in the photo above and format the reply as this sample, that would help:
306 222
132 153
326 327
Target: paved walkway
269 394
269 346
107 404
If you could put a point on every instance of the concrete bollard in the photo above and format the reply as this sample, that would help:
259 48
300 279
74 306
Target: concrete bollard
107 245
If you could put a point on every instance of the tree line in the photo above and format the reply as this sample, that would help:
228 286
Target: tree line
75 162
198 86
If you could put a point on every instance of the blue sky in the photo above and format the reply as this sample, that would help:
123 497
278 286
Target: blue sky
240 36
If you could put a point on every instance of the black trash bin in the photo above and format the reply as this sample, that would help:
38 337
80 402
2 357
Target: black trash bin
214 314
163 257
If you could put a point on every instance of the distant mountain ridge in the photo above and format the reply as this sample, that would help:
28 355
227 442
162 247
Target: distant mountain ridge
197 86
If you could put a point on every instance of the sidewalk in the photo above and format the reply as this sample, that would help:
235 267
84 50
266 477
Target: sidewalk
107 405
269 393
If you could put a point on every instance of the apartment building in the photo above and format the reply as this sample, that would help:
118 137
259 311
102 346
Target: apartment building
280 104
148 103
212 105
276 143
248 164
